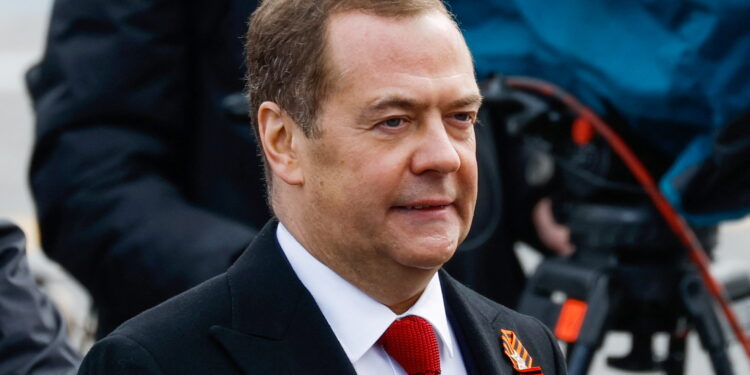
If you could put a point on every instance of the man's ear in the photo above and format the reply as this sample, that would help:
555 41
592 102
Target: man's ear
277 132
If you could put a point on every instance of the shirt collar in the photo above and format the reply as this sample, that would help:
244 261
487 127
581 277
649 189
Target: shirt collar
357 319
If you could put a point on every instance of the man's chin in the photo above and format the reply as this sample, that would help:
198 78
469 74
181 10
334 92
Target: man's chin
427 259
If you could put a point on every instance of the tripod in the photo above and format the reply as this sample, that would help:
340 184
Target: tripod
627 274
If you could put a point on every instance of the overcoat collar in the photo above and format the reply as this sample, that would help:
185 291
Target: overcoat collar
276 326
477 326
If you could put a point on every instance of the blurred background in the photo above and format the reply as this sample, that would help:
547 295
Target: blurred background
22 30
23 26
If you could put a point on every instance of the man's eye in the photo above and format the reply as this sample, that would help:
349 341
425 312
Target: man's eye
393 122
462 117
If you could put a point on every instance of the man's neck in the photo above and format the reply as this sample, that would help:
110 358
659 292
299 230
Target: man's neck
402 307
399 289
394 285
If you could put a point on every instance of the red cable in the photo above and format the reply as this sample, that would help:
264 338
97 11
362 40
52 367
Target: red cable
675 221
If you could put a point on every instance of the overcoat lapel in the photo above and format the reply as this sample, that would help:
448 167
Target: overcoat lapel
276 326
478 328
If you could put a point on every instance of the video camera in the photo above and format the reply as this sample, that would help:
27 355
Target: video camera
629 272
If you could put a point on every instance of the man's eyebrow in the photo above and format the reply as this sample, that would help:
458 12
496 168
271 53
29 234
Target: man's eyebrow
393 102
467 101
405 103
380 105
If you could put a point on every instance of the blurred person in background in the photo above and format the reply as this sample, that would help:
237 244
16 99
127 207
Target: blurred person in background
144 183
32 333
145 172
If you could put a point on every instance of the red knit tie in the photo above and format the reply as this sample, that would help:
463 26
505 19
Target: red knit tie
411 342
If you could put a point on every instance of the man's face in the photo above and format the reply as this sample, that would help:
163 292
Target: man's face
392 180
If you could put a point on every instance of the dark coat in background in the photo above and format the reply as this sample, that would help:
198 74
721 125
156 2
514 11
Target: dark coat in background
258 318
145 171
32 333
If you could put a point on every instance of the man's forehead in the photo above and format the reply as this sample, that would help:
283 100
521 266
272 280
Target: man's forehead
361 40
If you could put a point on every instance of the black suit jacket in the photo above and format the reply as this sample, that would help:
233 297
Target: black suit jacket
258 318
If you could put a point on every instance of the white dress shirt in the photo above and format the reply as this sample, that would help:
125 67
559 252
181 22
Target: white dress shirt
358 321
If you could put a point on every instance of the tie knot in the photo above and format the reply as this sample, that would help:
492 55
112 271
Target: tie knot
411 342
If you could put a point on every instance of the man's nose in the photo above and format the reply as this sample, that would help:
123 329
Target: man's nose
436 150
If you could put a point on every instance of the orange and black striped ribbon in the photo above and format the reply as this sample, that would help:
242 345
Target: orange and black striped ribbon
522 361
